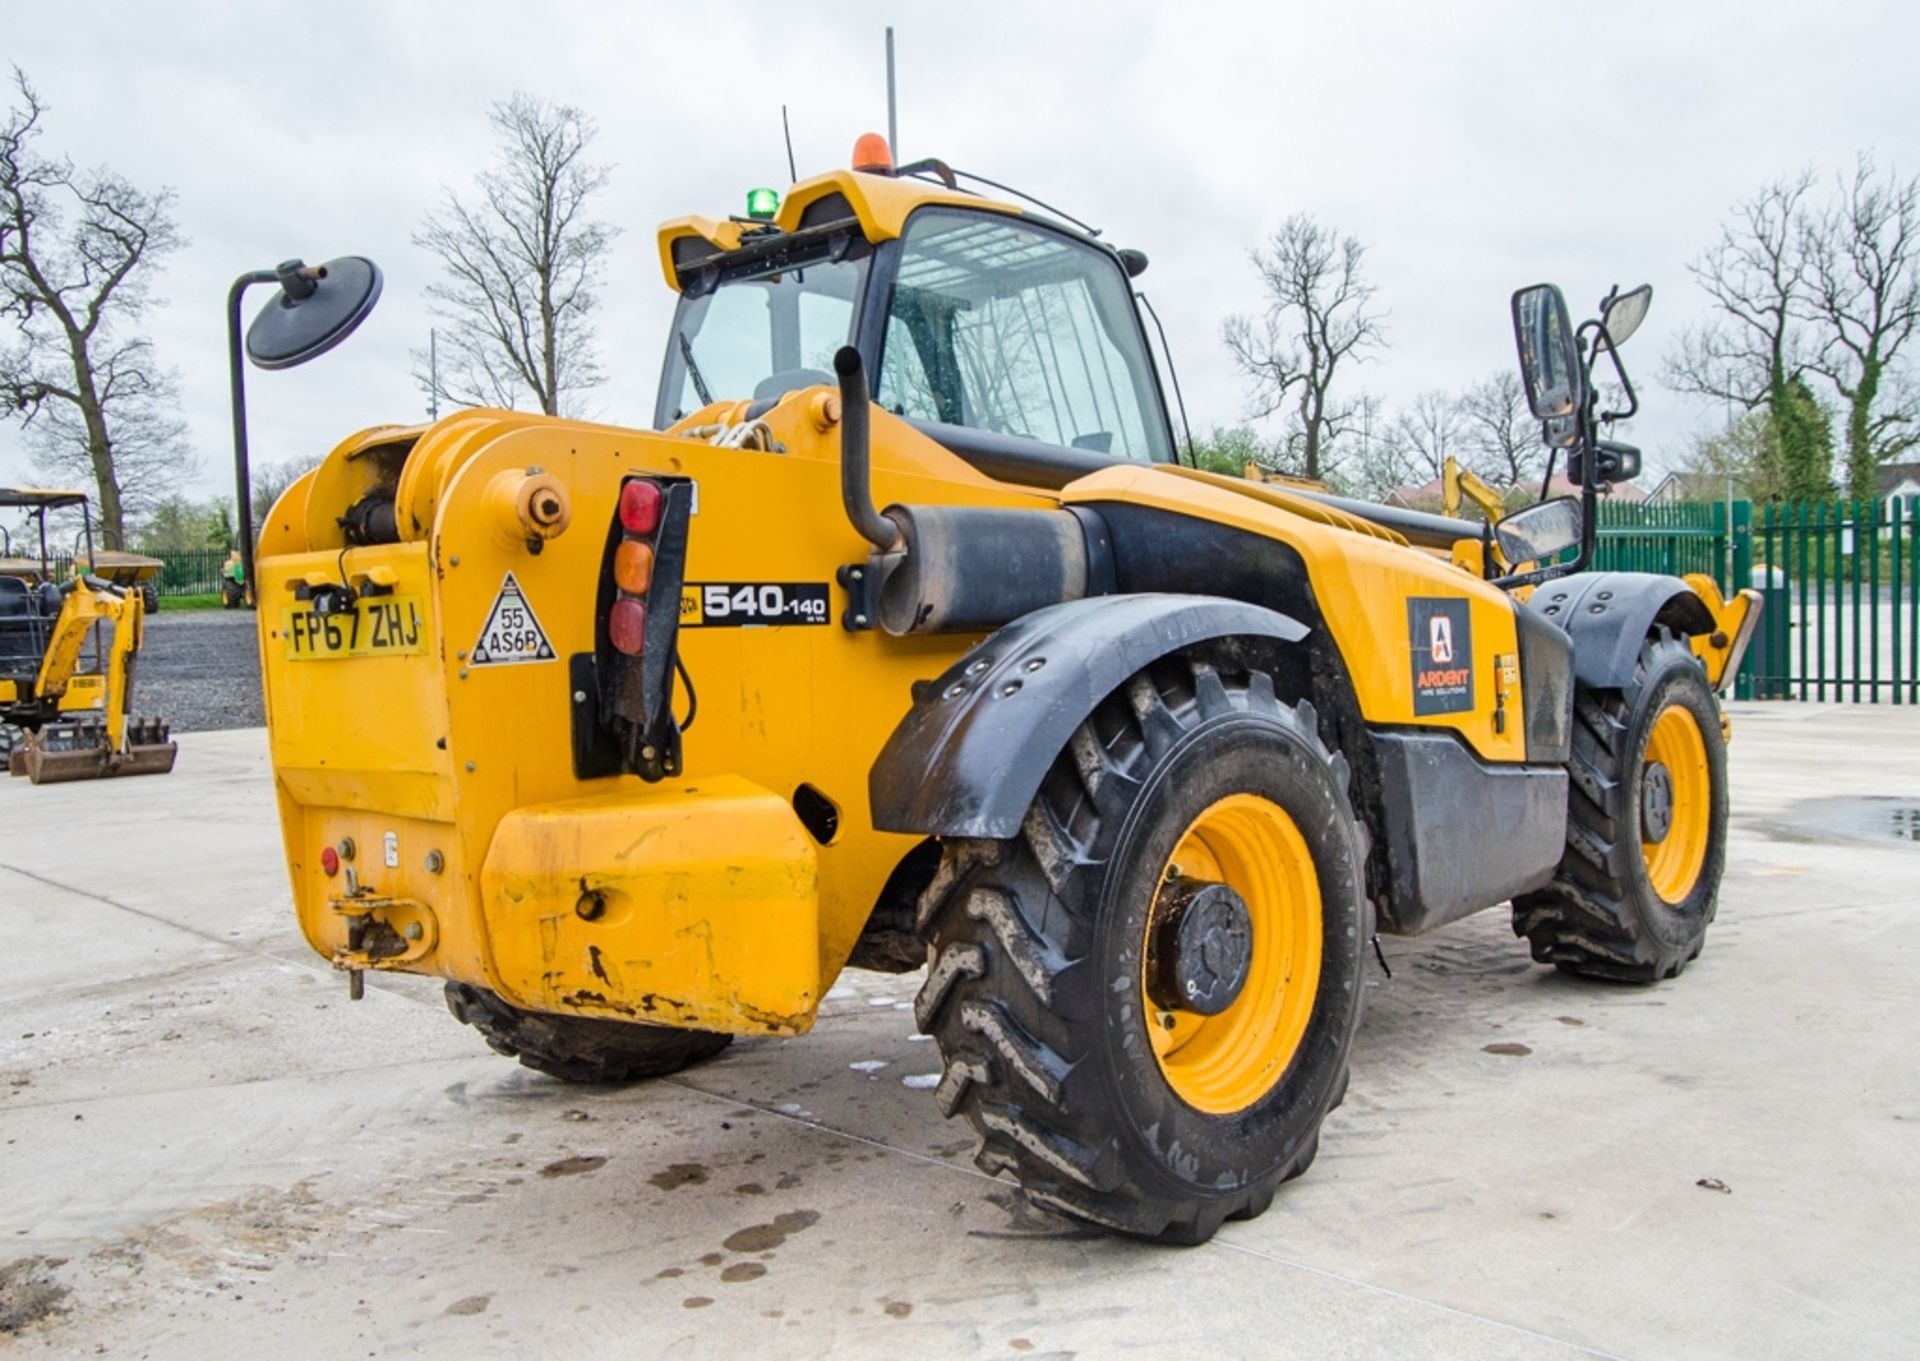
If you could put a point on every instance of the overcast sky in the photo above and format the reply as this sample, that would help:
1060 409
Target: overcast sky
1472 147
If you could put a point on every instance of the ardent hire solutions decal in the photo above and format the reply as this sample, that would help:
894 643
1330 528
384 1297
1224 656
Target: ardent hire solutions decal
1441 632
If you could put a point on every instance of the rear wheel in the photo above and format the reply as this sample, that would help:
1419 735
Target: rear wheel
1646 826
580 1048
1144 1003
150 597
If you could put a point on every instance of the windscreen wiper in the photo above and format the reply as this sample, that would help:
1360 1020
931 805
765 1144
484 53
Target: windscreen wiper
693 369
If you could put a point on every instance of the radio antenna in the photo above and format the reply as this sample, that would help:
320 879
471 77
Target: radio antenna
787 130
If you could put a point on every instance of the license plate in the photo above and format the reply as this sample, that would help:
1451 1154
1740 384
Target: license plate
376 626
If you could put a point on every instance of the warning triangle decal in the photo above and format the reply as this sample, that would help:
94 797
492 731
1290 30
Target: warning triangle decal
511 633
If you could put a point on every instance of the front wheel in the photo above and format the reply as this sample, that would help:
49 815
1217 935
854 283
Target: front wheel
1144 1002
1646 826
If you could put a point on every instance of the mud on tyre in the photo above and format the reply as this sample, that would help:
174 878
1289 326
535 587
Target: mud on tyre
580 1048
1646 826
1069 1004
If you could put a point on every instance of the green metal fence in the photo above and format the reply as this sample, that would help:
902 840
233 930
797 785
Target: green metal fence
191 573
1673 537
1843 611
1840 581
194 572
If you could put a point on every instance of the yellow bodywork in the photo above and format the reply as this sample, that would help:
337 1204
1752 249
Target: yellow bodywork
722 911
880 202
444 781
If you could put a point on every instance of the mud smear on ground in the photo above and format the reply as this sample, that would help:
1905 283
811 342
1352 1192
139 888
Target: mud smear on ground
678 1175
766 1237
28 1293
573 1167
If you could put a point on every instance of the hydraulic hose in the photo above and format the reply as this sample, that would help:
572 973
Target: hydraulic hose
856 488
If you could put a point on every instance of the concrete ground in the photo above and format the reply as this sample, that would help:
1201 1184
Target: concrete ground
205 1150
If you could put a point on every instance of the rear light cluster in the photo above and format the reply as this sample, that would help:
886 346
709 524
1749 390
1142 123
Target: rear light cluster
630 723
641 502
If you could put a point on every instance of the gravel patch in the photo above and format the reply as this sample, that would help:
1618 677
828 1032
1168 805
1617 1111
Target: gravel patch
200 669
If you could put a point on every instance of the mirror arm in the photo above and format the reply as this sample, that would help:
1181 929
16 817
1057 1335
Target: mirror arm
236 362
1626 385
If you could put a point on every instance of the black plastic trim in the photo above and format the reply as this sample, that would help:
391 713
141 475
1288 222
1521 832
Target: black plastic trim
1012 458
1546 686
969 756
1608 615
1461 834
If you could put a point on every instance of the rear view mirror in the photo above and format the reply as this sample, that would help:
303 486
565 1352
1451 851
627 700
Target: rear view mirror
1626 312
1540 531
318 307
1549 359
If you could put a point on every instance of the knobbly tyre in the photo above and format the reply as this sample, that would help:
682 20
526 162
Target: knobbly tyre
905 641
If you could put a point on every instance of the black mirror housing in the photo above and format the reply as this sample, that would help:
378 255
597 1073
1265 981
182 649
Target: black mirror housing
1549 355
318 307
1612 462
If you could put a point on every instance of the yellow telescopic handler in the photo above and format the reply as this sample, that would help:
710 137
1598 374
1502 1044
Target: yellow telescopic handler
906 639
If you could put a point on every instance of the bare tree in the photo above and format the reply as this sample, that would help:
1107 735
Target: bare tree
1863 258
74 250
1427 432
1756 275
523 265
1315 322
1500 435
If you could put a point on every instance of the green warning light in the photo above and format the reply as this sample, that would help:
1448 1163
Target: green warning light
762 203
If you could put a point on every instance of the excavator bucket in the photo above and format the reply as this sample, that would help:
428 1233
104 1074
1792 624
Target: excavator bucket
61 752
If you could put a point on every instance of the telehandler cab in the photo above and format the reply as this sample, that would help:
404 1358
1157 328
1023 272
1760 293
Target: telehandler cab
906 640
63 712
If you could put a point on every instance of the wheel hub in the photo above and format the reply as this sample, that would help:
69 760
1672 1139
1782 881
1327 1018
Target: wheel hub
1656 803
1203 948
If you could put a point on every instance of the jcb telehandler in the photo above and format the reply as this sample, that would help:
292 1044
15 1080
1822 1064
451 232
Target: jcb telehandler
64 696
906 640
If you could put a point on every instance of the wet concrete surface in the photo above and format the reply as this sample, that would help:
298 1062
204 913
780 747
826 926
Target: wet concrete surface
206 1150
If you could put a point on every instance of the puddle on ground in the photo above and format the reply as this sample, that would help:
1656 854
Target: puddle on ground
1850 819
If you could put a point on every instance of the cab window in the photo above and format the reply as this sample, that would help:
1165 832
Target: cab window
759 327
1001 326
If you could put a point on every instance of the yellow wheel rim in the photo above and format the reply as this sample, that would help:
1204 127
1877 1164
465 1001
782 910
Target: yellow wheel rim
1227 1062
1674 862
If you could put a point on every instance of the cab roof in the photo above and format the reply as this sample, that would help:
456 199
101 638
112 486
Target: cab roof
880 203
40 498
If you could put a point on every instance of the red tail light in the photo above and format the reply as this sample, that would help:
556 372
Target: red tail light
329 861
639 507
627 626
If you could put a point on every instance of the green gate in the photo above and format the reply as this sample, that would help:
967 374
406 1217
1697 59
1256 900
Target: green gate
1842 612
1840 575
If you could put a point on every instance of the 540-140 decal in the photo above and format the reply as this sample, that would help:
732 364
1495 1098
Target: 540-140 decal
753 604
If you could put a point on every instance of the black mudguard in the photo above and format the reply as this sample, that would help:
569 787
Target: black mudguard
969 756
1609 614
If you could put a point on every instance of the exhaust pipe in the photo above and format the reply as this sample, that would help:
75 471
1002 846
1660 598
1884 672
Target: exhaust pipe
856 485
